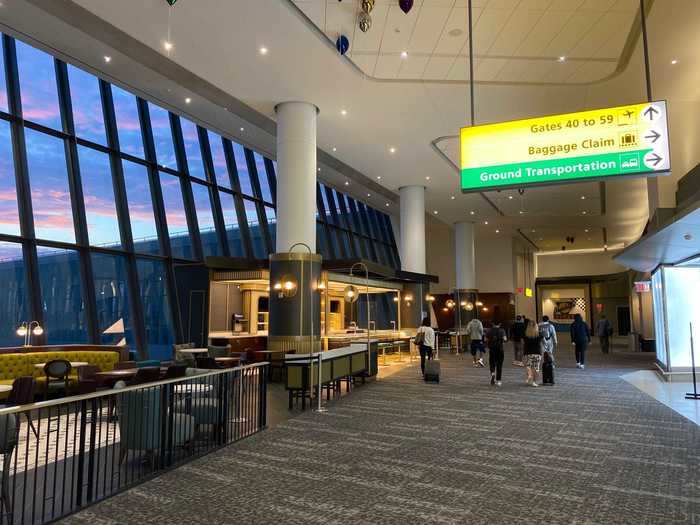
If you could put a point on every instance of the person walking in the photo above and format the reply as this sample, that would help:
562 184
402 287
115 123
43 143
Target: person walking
495 337
425 341
475 332
549 337
604 329
580 337
517 332
533 352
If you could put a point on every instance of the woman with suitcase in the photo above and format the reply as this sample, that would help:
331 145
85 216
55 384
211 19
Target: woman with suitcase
425 341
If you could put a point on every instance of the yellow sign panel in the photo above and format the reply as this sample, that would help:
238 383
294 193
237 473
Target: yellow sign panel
623 140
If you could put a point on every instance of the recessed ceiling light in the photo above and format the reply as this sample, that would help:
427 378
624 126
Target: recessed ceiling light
586 230
319 170
605 246
583 212
428 177
263 50
453 197
242 129
335 149
532 231
561 59
471 212
387 205
486 223
343 112
435 212
108 59
583 197
498 231
369 195
167 45
379 177
521 212
404 54
347 183
674 62
188 100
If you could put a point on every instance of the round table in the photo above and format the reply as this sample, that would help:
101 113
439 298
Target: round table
5 388
73 364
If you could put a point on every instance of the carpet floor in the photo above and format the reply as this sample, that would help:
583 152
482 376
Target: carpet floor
591 449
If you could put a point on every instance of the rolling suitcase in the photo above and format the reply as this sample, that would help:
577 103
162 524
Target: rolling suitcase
547 370
432 370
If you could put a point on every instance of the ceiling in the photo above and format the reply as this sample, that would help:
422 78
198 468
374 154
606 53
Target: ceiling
514 40
216 61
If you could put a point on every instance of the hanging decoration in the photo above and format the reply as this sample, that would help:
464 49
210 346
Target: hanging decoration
171 2
364 20
406 5
342 44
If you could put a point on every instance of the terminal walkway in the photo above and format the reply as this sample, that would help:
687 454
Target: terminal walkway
592 449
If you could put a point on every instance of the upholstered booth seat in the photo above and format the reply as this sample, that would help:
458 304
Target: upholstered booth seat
16 365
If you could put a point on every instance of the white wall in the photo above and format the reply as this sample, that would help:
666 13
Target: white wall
577 264
440 254
494 264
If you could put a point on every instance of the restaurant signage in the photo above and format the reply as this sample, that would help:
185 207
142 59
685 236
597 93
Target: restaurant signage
619 141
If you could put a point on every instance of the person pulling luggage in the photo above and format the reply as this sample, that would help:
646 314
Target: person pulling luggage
425 341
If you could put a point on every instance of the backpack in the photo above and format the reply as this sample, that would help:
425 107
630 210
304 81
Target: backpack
495 338
420 338
545 331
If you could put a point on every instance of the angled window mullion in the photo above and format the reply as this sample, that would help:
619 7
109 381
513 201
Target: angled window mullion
271 179
253 170
237 200
321 219
215 202
78 200
262 214
19 154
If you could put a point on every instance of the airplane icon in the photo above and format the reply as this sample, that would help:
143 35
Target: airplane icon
626 117
628 113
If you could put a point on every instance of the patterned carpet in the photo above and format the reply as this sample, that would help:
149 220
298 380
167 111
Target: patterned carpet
592 449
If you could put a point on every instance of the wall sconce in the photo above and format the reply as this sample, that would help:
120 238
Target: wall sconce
29 328
479 303
430 298
351 294
469 307
450 304
286 287
484 309
321 285
445 309
396 298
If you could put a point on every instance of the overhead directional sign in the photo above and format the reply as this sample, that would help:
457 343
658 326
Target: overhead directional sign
625 140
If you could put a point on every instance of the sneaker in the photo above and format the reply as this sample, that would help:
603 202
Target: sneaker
528 381
498 383
493 379
578 365
583 366
480 362
534 384
520 363
475 365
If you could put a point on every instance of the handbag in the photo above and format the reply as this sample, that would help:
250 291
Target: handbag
419 339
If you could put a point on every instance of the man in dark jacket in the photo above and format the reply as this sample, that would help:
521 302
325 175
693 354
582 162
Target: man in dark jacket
517 332
580 337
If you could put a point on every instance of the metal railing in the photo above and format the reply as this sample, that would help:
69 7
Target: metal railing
59 456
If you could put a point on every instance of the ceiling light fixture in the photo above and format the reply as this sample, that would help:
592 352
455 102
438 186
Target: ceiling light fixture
108 59
167 45
498 231
188 100
586 230
486 223
242 129
510 197
379 177
335 149
428 177
471 212
319 170
387 205
347 183
453 197
583 212
392 150
435 212
561 59
674 62
404 55
263 50
343 112
369 195
583 197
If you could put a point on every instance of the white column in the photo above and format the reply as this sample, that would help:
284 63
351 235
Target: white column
465 256
413 228
296 175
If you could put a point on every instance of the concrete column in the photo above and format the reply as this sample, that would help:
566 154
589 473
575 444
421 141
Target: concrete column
465 256
412 228
296 175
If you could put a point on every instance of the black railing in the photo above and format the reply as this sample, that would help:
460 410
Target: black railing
79 450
